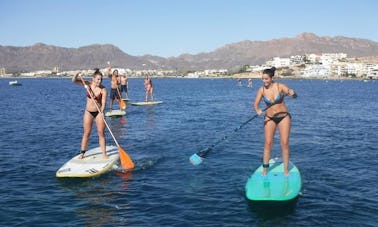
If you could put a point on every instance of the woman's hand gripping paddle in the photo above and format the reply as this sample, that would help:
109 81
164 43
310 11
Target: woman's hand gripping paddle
198 157
126 161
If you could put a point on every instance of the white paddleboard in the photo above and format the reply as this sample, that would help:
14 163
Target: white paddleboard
146 103
93 164
115 113
126 100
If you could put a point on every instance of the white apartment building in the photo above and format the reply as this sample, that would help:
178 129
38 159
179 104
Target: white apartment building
330 58
279 62
373 74
320 71
296 59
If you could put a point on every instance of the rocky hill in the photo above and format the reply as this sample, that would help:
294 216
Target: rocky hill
231 56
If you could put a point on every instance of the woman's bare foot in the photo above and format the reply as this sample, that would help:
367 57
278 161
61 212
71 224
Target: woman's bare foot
265 169
82 152
264 172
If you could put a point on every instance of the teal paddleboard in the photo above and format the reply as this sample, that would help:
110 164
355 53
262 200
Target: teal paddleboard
274 186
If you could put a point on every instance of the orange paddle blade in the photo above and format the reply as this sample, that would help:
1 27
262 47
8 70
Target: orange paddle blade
126 161
122 104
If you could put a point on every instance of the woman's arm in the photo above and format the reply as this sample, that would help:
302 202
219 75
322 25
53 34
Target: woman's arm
77 80
103 100
288 91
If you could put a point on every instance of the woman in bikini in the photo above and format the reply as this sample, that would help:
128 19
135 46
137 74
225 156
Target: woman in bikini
148 87
277 115
91 113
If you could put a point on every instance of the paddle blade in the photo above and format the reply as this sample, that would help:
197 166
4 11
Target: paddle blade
195 159
122 104
126 161
198 158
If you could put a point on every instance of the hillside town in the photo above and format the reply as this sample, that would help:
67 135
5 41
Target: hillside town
317 66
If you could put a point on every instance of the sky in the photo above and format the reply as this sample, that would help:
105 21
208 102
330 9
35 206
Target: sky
169 28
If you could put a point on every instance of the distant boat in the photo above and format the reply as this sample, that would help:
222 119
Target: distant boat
14 83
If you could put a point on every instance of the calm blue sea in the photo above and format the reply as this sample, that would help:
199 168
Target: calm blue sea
334 143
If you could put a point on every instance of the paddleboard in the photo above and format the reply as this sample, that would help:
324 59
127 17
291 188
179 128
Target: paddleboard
126 100
115 113
93 164
146 103
274 186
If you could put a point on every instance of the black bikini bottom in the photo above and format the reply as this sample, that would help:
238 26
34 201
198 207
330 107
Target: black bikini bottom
94 114
277 118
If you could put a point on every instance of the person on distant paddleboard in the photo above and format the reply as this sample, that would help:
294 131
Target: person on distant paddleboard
249 82
114 83
277 115
124 85
148 87
91 113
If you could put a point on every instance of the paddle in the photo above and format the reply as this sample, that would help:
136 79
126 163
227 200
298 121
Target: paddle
126 161
122 103
198 157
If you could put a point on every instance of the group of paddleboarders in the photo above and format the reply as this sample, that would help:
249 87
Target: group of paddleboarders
272 93
120 84
96 102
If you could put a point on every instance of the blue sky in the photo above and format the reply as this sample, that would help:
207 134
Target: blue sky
168 28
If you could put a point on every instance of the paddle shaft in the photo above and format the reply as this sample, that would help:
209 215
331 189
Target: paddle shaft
204 152
121 102
89 90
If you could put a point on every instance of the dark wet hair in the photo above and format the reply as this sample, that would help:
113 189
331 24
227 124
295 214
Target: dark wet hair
97 72
270 71
116 70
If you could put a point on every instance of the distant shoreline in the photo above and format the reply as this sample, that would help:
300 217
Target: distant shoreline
219 77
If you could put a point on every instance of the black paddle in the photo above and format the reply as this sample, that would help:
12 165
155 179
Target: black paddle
198 157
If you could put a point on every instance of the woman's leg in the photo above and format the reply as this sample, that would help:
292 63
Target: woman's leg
87 126
101 134
284 130
269 129
152 93
111 103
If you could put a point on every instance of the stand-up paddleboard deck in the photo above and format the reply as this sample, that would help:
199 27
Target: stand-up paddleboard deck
146 103
115 113
126 100
275 186
93 164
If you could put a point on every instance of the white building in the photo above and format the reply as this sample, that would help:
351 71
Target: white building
373 74
279 62
330 58
313 58
321 71
297 60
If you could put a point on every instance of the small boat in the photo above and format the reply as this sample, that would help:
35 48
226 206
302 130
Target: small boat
14 83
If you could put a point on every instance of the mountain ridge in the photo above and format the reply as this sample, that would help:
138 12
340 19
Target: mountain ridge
40 56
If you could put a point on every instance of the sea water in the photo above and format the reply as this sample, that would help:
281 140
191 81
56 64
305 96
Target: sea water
333 142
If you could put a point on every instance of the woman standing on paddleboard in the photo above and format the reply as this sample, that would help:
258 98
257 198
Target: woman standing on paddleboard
97 96
148 87
277 115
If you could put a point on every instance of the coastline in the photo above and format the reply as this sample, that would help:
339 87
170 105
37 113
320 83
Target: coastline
232 77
